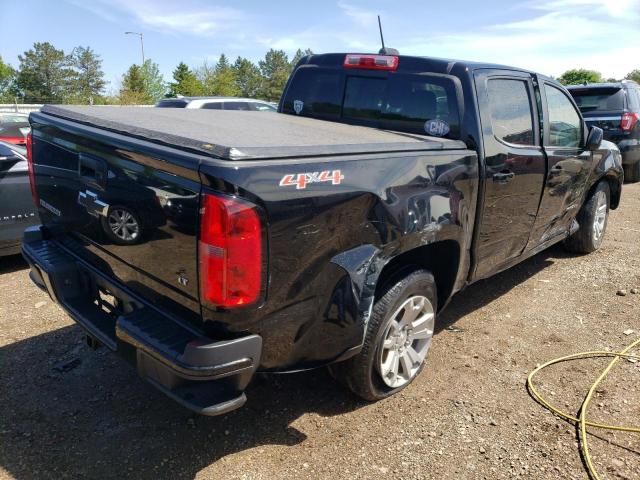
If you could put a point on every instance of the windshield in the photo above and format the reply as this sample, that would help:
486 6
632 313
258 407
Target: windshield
599 99
412 103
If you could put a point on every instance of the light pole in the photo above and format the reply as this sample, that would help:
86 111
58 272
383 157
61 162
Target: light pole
141 43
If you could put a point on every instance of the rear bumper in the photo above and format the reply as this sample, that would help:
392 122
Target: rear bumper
208 377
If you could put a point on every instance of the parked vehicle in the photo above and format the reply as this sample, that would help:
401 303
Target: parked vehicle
614 107
14 128
218 103
331 233
17 210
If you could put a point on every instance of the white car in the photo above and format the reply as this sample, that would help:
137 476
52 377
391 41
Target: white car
14 127
218 103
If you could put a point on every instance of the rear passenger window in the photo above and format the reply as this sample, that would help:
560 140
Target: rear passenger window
634 99
565 125
236 106
213 106
511 114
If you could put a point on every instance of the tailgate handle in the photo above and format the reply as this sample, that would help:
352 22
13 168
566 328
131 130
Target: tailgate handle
93 170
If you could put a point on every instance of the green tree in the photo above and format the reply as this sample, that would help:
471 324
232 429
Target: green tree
633 75
275 69
155 86
580 75
206 75
133 90
225 79
185 82
247 76
220 79
88 78
7 78
299 55
43 74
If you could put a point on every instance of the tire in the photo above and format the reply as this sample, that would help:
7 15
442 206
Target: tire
387 338
632 173
592 218
132 230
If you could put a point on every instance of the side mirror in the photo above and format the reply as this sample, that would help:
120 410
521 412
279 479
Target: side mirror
594 139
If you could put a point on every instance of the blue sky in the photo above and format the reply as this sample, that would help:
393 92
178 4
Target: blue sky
549 36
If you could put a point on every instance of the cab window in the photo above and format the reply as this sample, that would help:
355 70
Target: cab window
634 99
262 107
511 114
236 106
565 125
422 104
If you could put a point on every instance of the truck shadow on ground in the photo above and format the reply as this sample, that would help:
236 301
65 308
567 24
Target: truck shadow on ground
67 411
12 263
485 291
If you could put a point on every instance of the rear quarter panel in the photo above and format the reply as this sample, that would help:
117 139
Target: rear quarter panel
607 165
328 242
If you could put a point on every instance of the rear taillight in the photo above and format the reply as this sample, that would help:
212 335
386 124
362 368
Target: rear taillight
629 121
14 140
231 252
371 62
31 170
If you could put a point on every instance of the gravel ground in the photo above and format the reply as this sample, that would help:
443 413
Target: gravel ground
68 411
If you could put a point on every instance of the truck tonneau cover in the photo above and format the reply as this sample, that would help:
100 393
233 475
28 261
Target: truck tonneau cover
234 135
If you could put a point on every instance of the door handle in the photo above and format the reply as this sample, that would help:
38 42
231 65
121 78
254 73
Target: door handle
503 177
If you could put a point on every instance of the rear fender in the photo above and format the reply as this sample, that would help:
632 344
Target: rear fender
608 167
367 267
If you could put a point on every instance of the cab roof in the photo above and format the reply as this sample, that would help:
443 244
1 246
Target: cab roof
606 85
417 63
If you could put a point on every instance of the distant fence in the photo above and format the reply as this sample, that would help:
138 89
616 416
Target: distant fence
20 107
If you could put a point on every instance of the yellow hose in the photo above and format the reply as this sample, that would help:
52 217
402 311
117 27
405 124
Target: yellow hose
582 421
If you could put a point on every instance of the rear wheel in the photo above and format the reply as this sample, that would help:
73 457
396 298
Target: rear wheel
632 172
592 218
397 340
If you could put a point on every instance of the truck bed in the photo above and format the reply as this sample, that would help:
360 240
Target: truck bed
234 135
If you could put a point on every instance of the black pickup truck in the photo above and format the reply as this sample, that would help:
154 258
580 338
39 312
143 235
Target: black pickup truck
204 246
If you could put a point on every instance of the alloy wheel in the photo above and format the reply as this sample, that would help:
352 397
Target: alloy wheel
406 341
600 218
123 224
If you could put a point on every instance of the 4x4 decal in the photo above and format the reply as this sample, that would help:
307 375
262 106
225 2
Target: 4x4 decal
301 180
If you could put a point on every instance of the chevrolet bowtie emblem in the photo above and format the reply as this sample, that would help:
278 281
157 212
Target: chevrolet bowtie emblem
95 207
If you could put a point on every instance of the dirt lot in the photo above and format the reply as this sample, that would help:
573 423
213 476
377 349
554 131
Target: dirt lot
67 411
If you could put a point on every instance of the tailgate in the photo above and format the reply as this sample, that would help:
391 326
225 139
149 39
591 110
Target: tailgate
609 122
121 206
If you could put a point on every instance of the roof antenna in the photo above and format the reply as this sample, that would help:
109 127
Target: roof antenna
384 50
